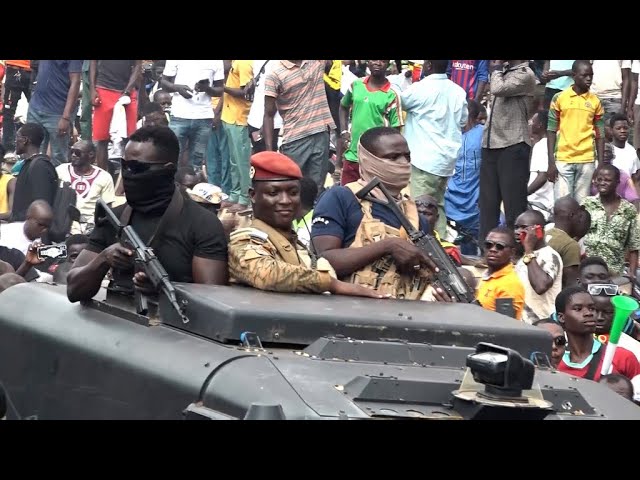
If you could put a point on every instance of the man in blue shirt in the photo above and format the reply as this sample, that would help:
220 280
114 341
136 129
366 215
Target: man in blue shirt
363 239
436 113
54 103
463 189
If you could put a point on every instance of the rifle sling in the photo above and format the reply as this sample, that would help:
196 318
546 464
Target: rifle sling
170 215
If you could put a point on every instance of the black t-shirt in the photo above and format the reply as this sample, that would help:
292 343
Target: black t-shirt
114 74
15 257
35 181
196 233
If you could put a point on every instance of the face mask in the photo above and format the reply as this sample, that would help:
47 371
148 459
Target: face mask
149 191
393 175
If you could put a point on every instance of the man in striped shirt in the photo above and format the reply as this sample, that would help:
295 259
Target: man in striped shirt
471 75
295 88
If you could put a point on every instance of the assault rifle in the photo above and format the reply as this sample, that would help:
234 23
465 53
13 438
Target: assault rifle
145 258
448 277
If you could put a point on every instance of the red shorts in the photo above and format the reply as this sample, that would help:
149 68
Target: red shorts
103 113
350 172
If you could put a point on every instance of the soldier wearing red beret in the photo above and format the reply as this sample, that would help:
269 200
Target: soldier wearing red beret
267 255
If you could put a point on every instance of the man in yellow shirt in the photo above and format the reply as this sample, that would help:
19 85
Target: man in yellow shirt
575 135
7 188
501 279
332 84
235 111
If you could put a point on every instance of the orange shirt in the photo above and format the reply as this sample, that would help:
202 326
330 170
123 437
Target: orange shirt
26 64
502 284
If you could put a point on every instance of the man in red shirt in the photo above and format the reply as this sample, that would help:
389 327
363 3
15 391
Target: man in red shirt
584 354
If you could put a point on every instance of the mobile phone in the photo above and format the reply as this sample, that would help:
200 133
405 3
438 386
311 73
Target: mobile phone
538 230
51 251
505 307
256 136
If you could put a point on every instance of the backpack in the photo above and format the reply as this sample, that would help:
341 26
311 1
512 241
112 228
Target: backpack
62 221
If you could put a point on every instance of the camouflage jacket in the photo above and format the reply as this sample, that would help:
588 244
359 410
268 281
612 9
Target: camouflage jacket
263 258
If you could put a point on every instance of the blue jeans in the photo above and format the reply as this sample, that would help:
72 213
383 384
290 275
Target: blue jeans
471 226
218 160
574 179
240 152
197 133
59 143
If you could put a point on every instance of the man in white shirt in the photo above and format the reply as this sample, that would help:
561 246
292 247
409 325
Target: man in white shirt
256 115
436 113
89 182
192 83
20 235
540 190
612 84
539 269
625 156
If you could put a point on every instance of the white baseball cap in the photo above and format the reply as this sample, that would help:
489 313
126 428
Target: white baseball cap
207 193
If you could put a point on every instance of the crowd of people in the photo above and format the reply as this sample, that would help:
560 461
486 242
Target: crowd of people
249 172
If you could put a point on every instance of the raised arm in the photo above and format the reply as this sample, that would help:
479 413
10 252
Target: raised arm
85 278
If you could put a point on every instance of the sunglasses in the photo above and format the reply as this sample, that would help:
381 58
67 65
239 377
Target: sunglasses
500 246
134 166
609 289
77 152
560 341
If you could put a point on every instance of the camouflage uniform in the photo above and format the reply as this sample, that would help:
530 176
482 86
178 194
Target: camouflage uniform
263 258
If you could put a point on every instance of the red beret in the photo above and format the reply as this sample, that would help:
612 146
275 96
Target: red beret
273 166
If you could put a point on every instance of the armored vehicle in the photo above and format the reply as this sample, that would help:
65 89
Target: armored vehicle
240 353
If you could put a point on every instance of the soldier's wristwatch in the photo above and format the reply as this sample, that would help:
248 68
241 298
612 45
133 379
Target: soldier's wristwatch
526 259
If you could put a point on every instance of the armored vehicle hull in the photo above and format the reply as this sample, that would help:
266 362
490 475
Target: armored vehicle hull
323 357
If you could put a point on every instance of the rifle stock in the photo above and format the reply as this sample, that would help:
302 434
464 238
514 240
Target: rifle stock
447 278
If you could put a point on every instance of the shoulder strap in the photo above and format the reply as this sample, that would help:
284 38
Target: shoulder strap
170 215
365 205
407 205
33 160
595 363
284 247
264 65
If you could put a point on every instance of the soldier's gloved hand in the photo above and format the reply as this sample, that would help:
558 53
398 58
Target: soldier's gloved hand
338 287
118 256
142 283
408 257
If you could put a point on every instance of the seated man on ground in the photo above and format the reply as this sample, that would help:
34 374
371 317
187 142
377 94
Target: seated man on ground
585 354
539 268
75 245
562 237
559 343
20 235
500 280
